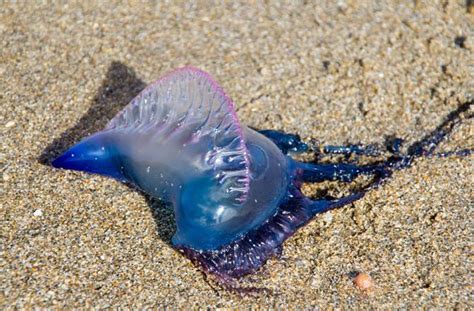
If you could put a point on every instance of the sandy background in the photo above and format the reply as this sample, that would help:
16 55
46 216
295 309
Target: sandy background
348 71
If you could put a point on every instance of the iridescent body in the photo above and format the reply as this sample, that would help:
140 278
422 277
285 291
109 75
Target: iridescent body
235 191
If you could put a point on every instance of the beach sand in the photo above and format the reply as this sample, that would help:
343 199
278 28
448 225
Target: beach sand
345 72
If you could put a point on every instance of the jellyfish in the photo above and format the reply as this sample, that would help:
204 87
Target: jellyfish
235 191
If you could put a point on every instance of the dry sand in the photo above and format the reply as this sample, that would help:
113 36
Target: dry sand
349 71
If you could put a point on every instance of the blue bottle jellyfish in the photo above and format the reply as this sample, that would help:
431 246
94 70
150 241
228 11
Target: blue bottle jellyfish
235 191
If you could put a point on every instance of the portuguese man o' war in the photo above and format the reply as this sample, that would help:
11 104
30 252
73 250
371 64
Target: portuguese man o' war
235 191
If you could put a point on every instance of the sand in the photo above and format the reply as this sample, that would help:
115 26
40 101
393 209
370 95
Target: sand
344 72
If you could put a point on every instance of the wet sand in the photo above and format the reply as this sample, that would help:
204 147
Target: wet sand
346 72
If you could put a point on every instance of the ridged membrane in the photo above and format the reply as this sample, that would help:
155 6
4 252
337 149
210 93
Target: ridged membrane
187 102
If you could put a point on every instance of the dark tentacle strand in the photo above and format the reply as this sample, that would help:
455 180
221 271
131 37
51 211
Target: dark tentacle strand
459 153
370 150
392 145
309 172
428 144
